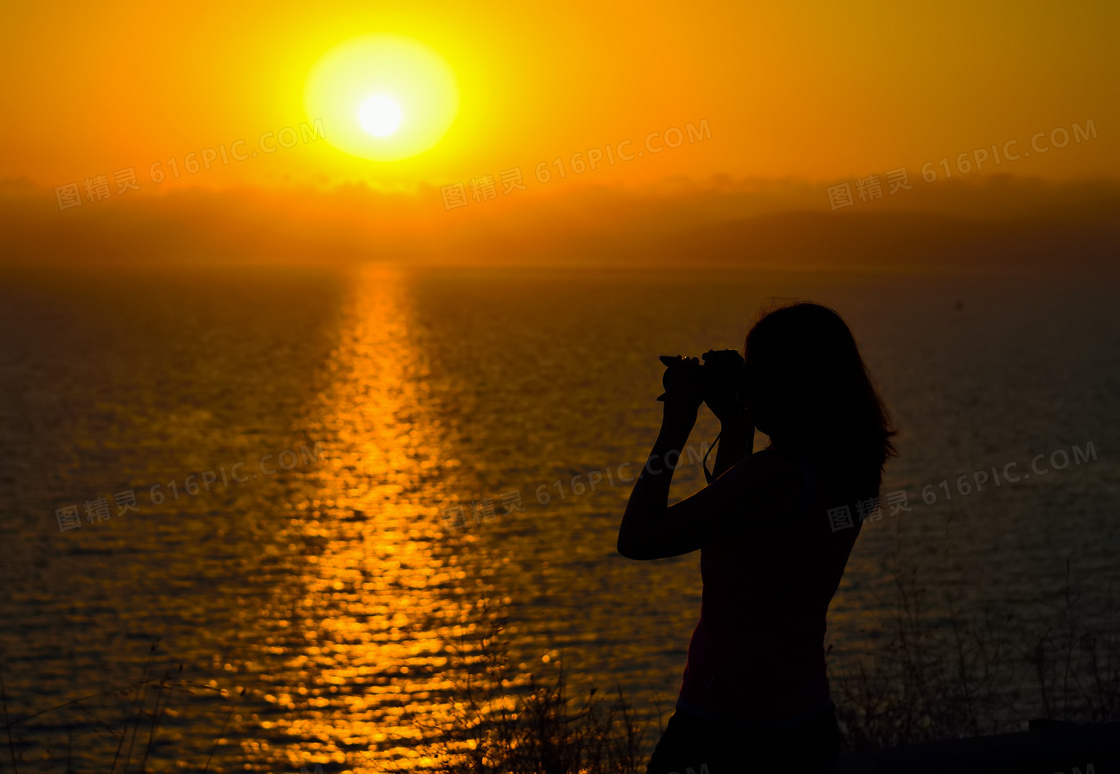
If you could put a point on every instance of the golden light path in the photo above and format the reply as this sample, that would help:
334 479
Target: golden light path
387 587
382 97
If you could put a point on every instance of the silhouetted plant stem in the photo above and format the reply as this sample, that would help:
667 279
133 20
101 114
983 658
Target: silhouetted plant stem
11 743
232 708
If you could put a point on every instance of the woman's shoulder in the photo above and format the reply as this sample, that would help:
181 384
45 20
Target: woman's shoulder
778 466
818 482
789 465
774 483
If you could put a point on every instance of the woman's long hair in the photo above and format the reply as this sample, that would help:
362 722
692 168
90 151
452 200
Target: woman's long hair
812 393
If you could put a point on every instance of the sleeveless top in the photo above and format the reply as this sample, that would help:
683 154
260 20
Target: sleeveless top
756 658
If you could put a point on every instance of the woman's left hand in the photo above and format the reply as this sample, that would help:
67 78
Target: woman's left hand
684 384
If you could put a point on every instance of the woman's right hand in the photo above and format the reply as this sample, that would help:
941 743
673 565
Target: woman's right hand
683 381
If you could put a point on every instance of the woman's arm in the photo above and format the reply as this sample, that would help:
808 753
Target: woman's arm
649 500
761 489
758 489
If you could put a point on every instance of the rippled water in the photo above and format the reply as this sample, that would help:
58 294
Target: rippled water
327 581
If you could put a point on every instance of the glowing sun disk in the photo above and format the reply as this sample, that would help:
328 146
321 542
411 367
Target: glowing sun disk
382 97
380 115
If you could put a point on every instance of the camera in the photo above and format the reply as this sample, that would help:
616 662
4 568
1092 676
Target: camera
722 379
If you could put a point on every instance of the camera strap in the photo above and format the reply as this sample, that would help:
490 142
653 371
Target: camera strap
707 474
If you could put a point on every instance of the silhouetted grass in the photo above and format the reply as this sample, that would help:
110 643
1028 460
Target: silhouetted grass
936 678
502 724
135 735
946 679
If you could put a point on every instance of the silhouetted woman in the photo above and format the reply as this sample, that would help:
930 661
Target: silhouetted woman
755 695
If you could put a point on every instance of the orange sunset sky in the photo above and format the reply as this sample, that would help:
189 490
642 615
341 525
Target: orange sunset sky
796 96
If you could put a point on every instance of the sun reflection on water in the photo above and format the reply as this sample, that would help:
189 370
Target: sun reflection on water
372 601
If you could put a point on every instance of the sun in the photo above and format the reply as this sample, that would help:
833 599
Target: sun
380 115
382 97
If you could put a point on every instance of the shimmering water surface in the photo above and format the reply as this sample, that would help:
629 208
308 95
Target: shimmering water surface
363 405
